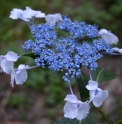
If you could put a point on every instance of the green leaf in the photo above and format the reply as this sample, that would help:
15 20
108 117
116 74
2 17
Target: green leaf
82 82
100 75
88 120
67 121
31 55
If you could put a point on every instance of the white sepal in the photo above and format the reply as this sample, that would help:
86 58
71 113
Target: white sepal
12 56
53 18
70 110
83 110
92 85
71 98
19 75
6 65
117 49
26 15
74 108
97 95
100 98
109 37
7 62
29 13
16 13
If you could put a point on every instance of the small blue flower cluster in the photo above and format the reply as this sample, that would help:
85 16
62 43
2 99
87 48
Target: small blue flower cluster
69 53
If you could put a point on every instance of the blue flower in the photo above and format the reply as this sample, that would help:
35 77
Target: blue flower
82 47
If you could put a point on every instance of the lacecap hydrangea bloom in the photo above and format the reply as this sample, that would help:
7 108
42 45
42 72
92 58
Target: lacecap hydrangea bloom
82 46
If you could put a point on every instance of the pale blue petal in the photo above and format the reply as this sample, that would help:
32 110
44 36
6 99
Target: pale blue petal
100 98
71 98
83 110
11 56
70 110
7 66
92 85
21 77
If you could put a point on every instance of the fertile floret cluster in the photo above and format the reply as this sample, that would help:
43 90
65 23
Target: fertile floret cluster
80 47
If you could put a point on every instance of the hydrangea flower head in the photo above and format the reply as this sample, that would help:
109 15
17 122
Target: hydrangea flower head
97 95
109 37
74 108
19 74
66 53
7 62
53 18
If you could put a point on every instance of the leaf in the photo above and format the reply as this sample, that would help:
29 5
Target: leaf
82 82
100 75
88 120
67 121
31 55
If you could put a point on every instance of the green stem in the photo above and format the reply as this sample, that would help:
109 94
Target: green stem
80 122
118 122
105 116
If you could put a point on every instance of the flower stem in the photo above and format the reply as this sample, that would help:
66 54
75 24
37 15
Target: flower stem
33 67
80 122
105 116
90 74
70 88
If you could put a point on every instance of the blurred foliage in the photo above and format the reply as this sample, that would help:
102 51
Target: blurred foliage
105 14
18 100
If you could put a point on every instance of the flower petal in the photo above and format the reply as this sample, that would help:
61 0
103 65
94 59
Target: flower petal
92 95
53 18
100 98
21 76
12 56
15 13
71 98
6 66
117 49
109 37
92 85
29 13
83 110
70 110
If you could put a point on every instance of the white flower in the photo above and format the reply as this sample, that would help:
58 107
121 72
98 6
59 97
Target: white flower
18 14
29 13
97 95
53 18
74 108
7 62
109 37
117 49
19 74
26 15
